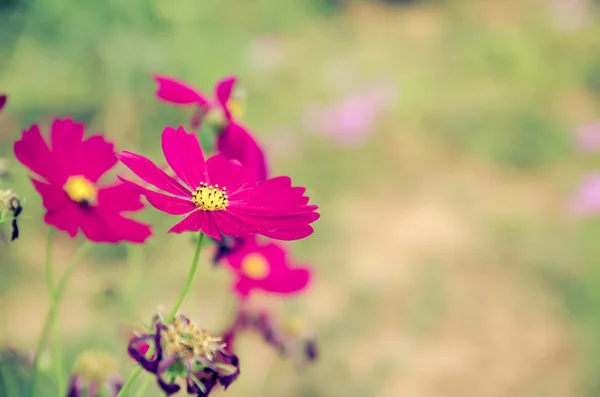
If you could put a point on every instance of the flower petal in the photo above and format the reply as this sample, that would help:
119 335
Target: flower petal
33 152
3 99
184 155
96 156
169 204
150 173
236 143
223 90
225 173
191 223
61 213
177 92
65 137
120 197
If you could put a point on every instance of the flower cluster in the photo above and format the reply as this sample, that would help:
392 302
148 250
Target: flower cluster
227 195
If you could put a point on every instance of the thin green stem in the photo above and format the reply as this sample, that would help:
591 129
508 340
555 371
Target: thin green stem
57 351
188 283
54 301
10 383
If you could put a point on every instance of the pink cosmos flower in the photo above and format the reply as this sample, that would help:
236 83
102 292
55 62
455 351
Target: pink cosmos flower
70 169
588 137
3 99
221 197
351 120
586 200
234 141
265 267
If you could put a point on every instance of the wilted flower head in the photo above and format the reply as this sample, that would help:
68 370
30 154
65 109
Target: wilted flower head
95 373
184 351
221 198
234 141
71 167
10 206
264 266
290 338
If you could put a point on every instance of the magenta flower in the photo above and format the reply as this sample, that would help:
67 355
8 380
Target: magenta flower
70 169
234 141
3 99
265 267
221 198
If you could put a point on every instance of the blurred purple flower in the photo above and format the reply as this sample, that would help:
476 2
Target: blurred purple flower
3 99
586 200
588 137
351 120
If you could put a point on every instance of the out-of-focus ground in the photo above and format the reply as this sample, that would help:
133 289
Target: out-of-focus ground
446 261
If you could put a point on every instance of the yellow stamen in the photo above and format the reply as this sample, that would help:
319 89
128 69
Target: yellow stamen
210 198
236 108
295 326
255 266
95 366
81 190
186 340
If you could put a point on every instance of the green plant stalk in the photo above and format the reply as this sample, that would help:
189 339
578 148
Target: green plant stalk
56 298
169 319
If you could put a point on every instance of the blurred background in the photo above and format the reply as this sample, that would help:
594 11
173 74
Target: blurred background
437 137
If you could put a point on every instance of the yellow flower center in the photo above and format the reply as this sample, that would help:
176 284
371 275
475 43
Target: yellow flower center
255 266
236 108
95 366
81 190
210 198
295 326
186 340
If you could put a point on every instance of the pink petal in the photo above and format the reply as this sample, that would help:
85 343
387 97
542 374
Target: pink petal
96 157
120 197
150 173
169 204
66 137
225 173
231 225
586 200
184 155
33 152
177 92
289 235
236 143
223 90
210 228
61 212
105 225
191 223
288 281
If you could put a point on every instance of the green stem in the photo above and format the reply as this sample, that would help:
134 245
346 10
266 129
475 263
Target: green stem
57 351
169 319
54 301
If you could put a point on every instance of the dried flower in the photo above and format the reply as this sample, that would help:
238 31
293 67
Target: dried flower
10 203
187 352
290 339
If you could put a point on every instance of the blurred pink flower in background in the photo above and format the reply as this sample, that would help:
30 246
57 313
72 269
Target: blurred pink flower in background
266 53
586 200
588 137
351 120
571 14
